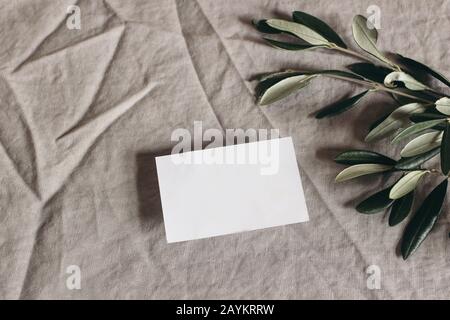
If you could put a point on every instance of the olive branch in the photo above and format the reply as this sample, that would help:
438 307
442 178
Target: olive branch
423 113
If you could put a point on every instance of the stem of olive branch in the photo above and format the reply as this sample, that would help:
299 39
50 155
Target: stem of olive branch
363 57
378 87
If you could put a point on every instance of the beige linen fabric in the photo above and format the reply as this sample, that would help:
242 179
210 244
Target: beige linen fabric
84 112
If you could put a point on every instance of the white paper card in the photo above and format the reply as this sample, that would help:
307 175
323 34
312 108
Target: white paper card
230 189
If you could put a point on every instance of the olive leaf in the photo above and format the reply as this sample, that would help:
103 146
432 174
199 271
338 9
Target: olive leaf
376 202
299 31
422 117
361 170
443 105
319 26
340 106
407 184
400 209
262 26
397 119
278 87
410 63
416 161
424 220
290 46
416 128
393 78
445 150
352 157
422 144
366 37
369 71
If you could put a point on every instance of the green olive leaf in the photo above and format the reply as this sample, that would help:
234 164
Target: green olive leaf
445 150
366 36
424 220
290 46
352 157
397 119
319 26
263 27
416 161
361 170
407 184
422 144
443 106
409 82
369 71
413 64
299 31
400 209
340 106
376 202
416 128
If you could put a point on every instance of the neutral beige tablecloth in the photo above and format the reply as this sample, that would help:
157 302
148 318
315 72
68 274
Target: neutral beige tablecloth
84 112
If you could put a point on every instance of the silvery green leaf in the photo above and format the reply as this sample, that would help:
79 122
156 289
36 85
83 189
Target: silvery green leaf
443 106
406 79
422 144
290 46
361 170
366 37
284 88
299 31
397 119
319 26
424 220
407 184
416 128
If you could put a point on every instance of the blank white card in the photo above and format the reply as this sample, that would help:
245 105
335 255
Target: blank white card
230 189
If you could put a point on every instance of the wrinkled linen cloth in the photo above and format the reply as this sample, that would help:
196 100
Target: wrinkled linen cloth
84 112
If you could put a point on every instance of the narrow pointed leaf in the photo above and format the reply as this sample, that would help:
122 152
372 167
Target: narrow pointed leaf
416 161
397 119
369 71
407 184
352 157
424 220
443 106
282 88
319 26
298 30
421 117
366 37
290 46
401 208
361 170
416 128
409 82
378 121
262 26
445 150
340 106
422 144
410 63
376 202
